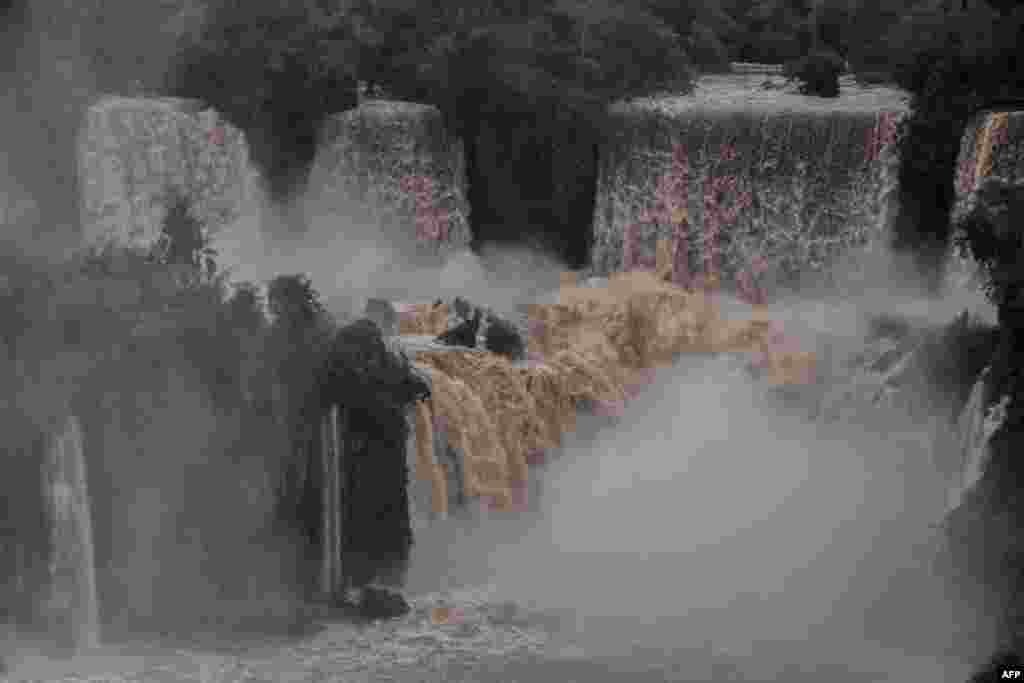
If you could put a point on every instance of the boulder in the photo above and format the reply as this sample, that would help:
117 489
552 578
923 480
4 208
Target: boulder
503 337
372 603
382 603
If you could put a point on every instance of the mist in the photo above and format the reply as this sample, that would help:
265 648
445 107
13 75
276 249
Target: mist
718 516
351 252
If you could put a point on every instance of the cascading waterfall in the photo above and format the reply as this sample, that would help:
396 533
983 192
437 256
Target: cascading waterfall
332 576
729 186
73 597
976 425
987 150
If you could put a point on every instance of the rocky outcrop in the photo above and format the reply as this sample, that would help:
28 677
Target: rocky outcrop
992 147
919 370
983 525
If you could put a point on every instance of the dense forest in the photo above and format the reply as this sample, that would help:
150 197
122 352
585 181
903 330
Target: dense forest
544 66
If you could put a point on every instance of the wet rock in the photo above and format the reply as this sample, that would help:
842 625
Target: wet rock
906 365
463 334
463 308
993 671
380 603
372 603
504 338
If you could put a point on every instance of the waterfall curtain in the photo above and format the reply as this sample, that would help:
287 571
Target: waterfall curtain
73 595
332 463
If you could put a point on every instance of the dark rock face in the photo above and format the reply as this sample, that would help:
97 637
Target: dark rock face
463 334
1002 507
504 338
364 373
373 384
483 326
994 670
25 550
955 357
377 534
984 558
532 180
372 603
986 533
381 603
929 370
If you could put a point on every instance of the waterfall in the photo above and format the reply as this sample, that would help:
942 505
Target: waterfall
795 187
331 445
976 426
73 571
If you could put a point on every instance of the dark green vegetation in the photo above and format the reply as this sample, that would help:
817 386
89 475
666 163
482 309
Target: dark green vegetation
818 73
986 533
186 391
525 89
990 234
958 65
275 72
954 68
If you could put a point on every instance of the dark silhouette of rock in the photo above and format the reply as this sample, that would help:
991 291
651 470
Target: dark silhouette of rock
463 334
374 384
372 603
462 308
381 603
362 372
993 671
504 338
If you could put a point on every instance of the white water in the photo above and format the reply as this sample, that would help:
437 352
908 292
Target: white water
74 596
331 460
976 426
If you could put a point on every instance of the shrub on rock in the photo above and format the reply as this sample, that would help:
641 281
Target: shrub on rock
818 73
504 338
